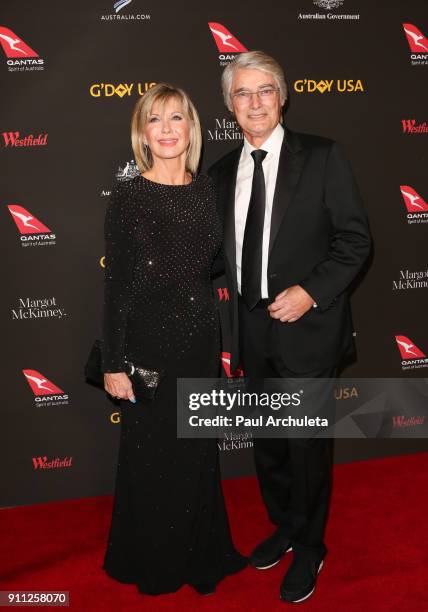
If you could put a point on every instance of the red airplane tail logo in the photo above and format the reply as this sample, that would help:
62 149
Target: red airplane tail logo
39 384
418 43
25 222
413 201
407 349
225 41
225 360
13 46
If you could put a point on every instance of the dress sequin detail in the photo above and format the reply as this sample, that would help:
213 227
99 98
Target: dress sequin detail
169 524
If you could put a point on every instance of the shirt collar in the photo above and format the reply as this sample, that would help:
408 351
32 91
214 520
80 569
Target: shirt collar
272 145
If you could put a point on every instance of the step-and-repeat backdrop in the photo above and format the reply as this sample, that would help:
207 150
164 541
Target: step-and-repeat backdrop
70 75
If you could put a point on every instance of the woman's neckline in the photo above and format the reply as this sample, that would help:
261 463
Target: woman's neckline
169 185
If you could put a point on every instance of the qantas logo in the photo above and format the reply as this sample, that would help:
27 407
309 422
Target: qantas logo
19 55
39 384
407 349
225 360
413 200
417 41
418 44
417 208
411 356
26 223
225 41
45 391
13 46
227 45
32 230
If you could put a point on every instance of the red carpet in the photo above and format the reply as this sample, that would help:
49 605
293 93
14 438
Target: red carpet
377 539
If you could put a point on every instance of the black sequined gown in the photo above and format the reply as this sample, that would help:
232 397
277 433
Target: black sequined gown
169 525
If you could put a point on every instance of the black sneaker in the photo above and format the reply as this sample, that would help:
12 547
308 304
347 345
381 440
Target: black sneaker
270 551
300 580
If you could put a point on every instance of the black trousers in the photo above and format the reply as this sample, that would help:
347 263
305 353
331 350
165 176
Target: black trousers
294 474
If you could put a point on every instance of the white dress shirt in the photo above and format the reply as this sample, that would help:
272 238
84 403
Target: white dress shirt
244 181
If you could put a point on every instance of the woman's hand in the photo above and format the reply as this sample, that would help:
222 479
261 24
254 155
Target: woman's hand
118 385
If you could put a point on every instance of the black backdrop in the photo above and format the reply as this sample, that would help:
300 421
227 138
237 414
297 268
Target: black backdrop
63 444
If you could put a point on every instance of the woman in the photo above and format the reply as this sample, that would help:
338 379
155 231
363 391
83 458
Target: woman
169 524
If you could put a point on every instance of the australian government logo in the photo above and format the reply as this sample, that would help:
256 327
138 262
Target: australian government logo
329 6
120 14
224 130
37 308
125 172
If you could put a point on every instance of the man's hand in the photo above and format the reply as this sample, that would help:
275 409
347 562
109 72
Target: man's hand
291 304
119 385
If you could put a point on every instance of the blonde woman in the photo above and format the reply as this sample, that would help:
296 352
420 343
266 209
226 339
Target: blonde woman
169 524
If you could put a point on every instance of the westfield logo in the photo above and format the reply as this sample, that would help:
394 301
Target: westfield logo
410 126
223 294
13 139
42 463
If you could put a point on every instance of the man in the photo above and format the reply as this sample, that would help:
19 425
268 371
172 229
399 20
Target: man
295 236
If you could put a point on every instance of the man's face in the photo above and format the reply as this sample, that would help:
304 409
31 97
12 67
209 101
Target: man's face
258 115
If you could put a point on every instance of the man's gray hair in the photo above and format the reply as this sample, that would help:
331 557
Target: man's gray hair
255 60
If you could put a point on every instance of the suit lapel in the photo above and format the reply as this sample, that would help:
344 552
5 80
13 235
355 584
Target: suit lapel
227 190
291 162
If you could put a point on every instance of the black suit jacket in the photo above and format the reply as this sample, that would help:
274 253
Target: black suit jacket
319 239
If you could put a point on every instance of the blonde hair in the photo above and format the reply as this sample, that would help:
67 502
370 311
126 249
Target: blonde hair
162 92
258 60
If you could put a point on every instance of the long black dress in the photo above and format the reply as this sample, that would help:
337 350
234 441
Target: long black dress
169 525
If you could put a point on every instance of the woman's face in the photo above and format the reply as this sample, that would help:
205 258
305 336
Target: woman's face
167 130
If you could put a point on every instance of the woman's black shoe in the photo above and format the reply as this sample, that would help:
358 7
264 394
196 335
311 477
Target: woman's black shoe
204 589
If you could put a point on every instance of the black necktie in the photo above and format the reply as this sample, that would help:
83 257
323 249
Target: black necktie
251 265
